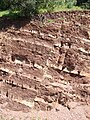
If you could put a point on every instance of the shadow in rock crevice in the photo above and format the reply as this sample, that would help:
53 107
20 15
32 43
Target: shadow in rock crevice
7 22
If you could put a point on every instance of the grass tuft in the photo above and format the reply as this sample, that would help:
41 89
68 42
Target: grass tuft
2 13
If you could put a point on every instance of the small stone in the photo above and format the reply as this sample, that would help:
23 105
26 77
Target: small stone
72 105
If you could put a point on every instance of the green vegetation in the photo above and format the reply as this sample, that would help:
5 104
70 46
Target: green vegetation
64 8
32 7
2 13
28 7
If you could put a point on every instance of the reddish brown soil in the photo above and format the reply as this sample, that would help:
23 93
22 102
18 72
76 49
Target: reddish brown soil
45 67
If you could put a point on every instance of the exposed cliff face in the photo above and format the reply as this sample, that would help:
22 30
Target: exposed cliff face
44 66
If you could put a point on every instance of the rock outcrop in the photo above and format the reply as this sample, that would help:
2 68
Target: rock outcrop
47 66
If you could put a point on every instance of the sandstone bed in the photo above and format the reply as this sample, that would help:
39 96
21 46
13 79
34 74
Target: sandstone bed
45 67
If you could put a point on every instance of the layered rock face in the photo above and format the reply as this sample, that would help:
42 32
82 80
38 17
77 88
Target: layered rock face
46 66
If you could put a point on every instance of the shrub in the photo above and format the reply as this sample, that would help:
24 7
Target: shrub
70 3
25 7
29 7
32 7
4 4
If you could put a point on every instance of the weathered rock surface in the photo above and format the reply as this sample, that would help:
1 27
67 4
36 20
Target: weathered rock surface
46 67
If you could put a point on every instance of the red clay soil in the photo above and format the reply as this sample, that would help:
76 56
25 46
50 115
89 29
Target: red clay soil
45 67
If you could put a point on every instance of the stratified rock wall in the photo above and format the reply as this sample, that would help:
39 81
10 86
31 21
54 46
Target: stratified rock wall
45 65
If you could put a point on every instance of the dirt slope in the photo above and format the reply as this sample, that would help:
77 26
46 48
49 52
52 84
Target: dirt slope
45 67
